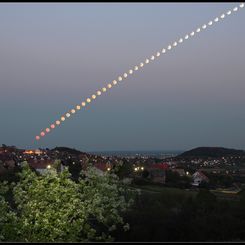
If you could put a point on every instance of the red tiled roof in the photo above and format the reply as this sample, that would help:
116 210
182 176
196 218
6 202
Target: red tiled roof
101 166
160 166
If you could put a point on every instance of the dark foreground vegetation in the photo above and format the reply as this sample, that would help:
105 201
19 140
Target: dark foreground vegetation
55 207
178 215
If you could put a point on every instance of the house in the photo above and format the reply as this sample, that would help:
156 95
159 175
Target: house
180 171
103 166
199 177
163 166
32 152
41 166
100 168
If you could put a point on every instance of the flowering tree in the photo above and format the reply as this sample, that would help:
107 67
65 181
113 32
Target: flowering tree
52 207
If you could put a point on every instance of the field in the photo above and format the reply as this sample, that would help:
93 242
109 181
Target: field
171 191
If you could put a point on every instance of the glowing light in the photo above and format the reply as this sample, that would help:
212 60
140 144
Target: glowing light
42 134
57 122
135 169
210 23
68 114
175 44
169 47
109 85
136 68
114 82
37 137
241 5
125 75
73 111
108 169
163 50
235 9
52 126
181 40
119 78
198 29
93 96
83 104
130 71
47 130
204 26
142 168
104 89
98 93
62 119
216 19
147 61
78 107
229 12
158 54
152 57
187 36
222 16
141 64
193 33
48 167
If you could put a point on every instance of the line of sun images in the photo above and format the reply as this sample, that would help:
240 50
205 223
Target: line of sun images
136 68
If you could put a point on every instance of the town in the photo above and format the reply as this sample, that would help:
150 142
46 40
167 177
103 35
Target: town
213 168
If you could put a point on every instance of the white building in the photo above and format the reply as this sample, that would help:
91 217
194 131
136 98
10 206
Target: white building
199 177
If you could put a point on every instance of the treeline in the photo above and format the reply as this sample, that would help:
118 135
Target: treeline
169 217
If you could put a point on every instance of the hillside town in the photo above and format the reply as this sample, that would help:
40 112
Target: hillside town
182 171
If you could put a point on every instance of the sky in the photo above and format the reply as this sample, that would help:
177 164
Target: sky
55 55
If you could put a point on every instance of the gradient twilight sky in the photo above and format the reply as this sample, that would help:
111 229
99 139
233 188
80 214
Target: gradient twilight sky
53 56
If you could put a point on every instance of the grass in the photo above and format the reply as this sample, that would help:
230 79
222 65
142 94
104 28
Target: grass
163 190
171 191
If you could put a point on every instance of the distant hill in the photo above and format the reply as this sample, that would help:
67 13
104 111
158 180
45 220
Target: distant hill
68 150
211 152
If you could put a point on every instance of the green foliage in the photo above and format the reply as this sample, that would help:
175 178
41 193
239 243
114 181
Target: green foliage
123 169
8 218
57 165
10 175
242 196
172 176
175 217
220 180
145 173
52 207
175 180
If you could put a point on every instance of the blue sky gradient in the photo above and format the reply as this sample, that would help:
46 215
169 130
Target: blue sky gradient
53 56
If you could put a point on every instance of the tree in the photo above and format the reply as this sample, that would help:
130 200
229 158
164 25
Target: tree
145 173
123 169
172 176
8 218
52 207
